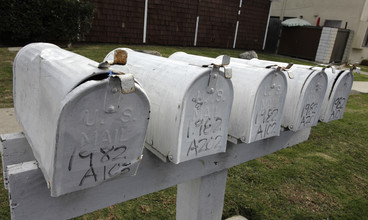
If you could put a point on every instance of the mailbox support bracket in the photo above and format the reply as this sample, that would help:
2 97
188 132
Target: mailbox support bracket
30 197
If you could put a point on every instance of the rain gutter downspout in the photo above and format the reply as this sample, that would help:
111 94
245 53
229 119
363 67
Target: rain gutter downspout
196 31
268 23
197 23
145 21
237 23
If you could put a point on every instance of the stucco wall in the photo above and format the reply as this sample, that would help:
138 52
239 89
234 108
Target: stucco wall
352 13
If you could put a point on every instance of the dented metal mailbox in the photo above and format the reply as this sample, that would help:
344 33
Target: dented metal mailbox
305 93
259 97
338 90
190 105
83 123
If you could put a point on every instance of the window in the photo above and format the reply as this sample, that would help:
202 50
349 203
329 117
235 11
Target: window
333 23
285 18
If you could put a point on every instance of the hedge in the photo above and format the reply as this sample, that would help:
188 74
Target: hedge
44 20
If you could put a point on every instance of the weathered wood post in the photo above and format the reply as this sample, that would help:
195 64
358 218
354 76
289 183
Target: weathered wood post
202 198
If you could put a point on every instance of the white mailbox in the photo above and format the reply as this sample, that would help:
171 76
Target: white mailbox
305 93
338 90
190 105
83 124
259 97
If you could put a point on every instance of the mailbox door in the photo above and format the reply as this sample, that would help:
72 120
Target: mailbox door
310 101
205 119
337 97
100 135
268 107
43 74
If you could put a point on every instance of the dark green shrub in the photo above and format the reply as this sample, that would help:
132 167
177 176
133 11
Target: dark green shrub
364 62
44 20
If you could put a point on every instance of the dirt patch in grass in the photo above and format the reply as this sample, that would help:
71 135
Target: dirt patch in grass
6 101
322 155
359 183
267 163
360 111
357 100
309 199
145 209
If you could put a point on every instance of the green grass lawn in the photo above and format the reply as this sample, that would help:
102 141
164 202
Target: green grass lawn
364 68
360 77
325 177
6 77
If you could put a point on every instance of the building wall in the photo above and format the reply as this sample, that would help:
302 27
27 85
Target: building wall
171 22
352 13
217 22
117 21
252 23
326 44
174 22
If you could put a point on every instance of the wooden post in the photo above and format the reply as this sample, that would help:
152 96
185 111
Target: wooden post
30 197
202 198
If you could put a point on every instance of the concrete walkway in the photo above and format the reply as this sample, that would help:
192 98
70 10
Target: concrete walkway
359 86
8 122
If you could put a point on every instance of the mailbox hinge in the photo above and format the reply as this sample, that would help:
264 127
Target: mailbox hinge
284 69
333 68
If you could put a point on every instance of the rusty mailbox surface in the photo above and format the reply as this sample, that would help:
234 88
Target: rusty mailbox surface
82 126
305 94
190 105
259 97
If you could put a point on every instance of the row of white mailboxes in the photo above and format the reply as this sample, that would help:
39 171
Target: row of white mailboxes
87 122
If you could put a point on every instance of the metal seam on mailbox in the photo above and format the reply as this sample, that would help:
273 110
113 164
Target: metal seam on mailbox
335 81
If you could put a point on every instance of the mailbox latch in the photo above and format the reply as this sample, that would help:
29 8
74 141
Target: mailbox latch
224 64
216 70
126 82
213 80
